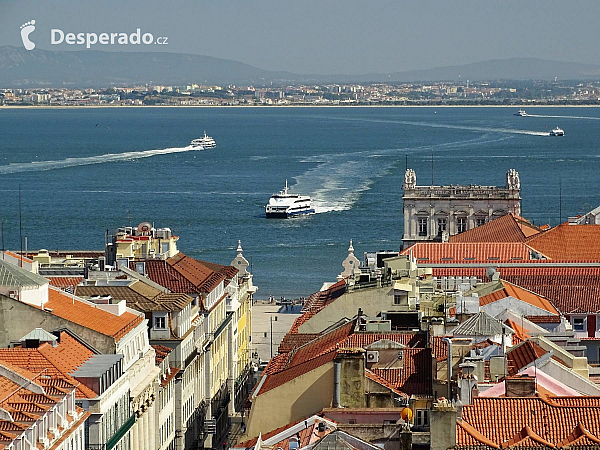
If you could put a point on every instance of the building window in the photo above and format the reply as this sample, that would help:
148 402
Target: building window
578 324
422 226
479 221
160 322
422 419
397 298
461 224
441 226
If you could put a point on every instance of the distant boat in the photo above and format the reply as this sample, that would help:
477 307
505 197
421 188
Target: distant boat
557 132
284 205
521 113
204 142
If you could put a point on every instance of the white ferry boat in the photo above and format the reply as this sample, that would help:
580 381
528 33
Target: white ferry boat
521 113
557 132
284 205
204 142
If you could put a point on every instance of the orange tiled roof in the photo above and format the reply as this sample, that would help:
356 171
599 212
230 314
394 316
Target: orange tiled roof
162 352
317 301
415 376
512 290
292 341
520 333
507 228
570 289
88 315
569 243
522 355
468 252
57 362
533 421
64 282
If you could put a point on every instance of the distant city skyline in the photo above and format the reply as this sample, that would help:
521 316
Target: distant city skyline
348 37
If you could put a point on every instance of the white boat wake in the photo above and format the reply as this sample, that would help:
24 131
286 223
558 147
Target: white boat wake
446 126
339 179
36 166
562 117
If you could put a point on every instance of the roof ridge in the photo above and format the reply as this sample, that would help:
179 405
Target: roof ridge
525 433
476 434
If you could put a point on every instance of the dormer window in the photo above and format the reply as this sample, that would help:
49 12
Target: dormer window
160 322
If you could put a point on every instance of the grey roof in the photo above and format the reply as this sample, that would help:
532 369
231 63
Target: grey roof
96 366
340 440
481 324
15 276
40 334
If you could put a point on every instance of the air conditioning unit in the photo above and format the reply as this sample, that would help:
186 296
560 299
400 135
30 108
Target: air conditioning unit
372 356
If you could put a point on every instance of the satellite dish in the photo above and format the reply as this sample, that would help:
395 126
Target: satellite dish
489 272
144 227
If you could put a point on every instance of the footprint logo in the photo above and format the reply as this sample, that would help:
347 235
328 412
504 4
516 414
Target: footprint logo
26 30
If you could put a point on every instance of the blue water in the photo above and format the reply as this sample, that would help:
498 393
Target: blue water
350 160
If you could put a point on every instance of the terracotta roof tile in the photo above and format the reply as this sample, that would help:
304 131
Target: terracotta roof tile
532 420
162 352
89 315
522 355
292 341
65 282
317 301
57 362
570 289
569 243
468 252
415 376
503 229
514 291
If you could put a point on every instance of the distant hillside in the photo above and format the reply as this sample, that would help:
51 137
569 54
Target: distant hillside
505 69
90 68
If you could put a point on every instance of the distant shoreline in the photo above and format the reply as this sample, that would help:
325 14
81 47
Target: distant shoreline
290 106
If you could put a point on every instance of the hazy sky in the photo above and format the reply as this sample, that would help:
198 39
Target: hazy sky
328 36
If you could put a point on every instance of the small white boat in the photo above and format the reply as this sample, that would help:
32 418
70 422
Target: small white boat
557 132
204 142
520 113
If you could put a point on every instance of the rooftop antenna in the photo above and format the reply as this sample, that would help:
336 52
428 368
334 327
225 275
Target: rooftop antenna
20 227
406 163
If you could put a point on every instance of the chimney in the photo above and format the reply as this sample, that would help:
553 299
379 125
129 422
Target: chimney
520 386
468 383
443 425
352 378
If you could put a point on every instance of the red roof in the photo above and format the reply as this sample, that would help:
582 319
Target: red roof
415 376
522 355
507 228
570 289
569 243
64 282
89 315
183 274
468 252
57 362
533 421
317 302
514 291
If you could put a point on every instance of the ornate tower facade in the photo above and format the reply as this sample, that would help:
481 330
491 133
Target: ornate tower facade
434 213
